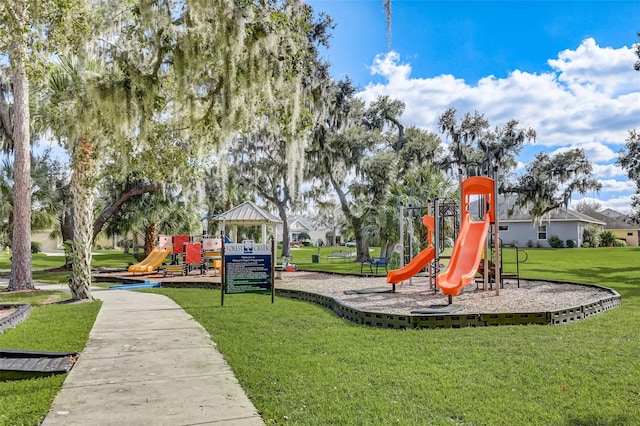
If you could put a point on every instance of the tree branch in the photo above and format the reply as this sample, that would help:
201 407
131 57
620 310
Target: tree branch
5 117
111 209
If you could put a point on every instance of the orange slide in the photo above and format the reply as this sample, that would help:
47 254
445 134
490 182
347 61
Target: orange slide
465 257
153 261
413 267
418 262
467 251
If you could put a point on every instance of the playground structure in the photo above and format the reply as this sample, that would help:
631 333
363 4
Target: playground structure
153 261
195 253
471 251
187 254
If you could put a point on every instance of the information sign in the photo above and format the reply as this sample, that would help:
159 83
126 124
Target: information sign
248 268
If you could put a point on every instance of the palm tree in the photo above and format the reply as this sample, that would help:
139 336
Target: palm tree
70 112
152 214
46 202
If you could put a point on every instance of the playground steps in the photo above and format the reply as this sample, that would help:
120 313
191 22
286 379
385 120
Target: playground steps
492 269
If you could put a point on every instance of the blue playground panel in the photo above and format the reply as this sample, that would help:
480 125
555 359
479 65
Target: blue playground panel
145 284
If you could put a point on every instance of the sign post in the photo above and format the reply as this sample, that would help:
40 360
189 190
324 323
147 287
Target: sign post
248 268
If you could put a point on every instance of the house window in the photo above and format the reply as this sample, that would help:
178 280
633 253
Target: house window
542 232
503 227
629 234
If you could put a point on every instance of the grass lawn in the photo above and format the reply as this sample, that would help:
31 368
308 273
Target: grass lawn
51 327
301 364
42 264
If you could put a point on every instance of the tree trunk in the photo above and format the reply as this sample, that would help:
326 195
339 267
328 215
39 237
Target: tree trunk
81 188
150 237
66 229
285 230
362 248
21 261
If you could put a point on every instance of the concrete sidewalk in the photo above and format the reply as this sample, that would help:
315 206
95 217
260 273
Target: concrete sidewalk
148 362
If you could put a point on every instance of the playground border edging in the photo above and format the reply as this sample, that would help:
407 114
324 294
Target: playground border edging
21 312
404 321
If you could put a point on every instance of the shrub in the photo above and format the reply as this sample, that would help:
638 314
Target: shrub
36 247
556 242
570 244
530 244
619 243
590 235
607 238
586 245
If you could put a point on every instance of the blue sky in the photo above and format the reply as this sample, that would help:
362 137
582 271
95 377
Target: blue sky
564 68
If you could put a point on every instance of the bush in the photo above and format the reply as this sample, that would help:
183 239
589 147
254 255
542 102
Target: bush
530 244
619 243
570 244
590 235
607 238
36 247
586 245
556 242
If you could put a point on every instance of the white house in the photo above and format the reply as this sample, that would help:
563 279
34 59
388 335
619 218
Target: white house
516 226
299 225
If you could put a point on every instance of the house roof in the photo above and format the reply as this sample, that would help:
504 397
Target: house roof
248 214
298 223
508 212
614 219
306 223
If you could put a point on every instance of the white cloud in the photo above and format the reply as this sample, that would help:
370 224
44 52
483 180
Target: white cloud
595 151
590 98
608 170
593 95
596 68
612 185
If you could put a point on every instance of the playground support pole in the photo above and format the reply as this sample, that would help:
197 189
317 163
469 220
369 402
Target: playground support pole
273 268
460 200
410 234
487 252
402 234
496 227
436 240
222 272
430 267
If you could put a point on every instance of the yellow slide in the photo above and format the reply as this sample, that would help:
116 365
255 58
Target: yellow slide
153 261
